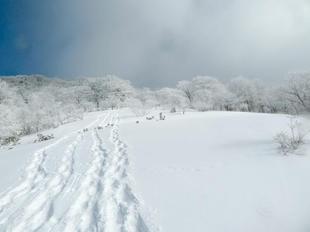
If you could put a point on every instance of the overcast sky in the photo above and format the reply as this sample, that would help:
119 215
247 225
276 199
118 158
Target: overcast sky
155 43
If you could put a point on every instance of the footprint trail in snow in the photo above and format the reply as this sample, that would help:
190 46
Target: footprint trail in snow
100 198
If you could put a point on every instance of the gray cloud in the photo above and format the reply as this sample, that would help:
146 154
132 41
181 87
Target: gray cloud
157 43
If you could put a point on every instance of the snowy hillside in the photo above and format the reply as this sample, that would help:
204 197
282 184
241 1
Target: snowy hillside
78 182
219 171
213 171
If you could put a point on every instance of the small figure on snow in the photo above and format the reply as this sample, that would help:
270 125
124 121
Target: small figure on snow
161 116
149 118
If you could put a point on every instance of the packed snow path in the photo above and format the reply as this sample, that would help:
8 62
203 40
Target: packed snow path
76 196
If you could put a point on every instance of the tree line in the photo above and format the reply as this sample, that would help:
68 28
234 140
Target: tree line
29 104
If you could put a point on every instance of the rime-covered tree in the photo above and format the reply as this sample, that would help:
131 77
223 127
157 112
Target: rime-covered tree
298 91
171 98
248 94
209 93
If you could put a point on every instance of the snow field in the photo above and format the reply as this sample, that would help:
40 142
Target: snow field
99 200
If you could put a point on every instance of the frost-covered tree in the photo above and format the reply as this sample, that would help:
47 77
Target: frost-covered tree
276 101
188 89
172 99
147 98
29 104
249 94
109 91
40 106
298 91
209 93
9 104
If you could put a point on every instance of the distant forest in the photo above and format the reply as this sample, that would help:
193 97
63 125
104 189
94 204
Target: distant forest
29 104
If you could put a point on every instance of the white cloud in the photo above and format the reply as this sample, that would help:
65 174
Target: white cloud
160 42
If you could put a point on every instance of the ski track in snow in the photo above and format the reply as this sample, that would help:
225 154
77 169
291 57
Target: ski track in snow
102 201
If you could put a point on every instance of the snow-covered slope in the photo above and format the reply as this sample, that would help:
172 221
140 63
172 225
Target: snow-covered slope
213 171
78 182
219 171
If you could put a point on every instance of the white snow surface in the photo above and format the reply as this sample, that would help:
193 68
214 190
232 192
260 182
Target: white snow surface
212 171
